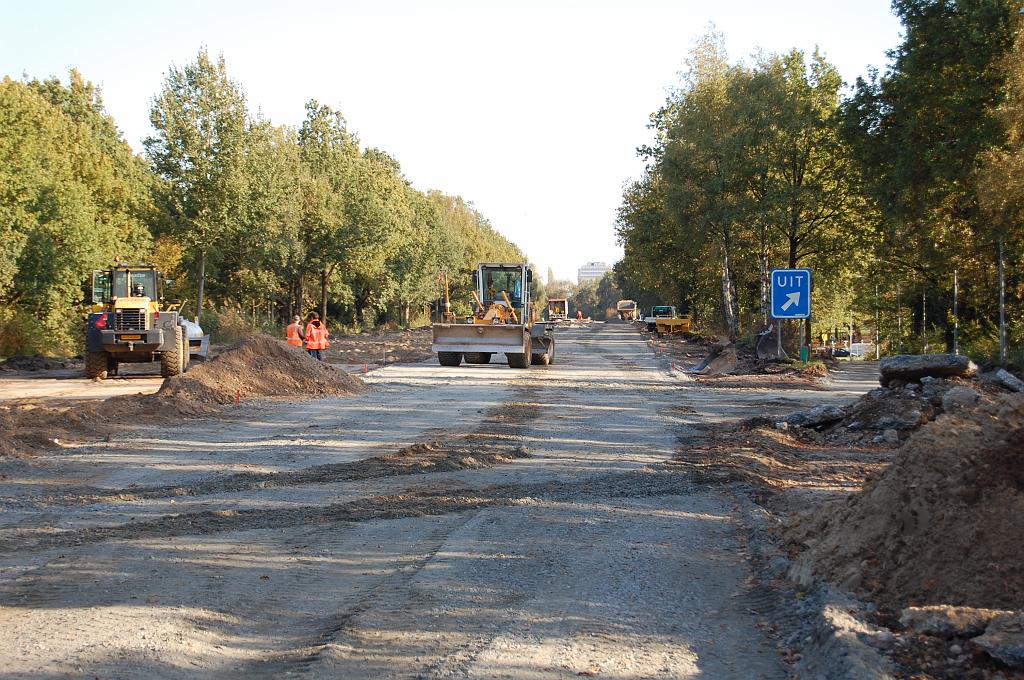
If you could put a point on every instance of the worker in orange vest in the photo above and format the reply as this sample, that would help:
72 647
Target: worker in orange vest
316 337
294 332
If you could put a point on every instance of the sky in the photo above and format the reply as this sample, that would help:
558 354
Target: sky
532 111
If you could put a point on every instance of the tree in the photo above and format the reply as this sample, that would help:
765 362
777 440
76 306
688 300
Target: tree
200 119
72 198
919 132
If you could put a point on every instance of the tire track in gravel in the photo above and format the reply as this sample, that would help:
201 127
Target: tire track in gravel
659 480
494 442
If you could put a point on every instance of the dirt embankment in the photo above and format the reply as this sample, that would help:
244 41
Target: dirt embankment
943 524
258 366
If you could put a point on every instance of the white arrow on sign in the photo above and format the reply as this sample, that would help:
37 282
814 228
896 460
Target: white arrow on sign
791 299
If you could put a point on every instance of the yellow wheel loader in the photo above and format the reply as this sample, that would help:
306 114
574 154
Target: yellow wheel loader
504 321
130 322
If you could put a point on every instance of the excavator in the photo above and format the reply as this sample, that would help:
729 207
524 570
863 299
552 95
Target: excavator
504 321
131 322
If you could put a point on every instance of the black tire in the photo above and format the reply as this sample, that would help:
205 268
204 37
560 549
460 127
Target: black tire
477 357
112 365
186 354
449 358
96 365
170 361
540 359
516 360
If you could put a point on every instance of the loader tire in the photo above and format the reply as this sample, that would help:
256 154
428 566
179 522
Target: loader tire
96 365
186 354
477 357
547 357
170 361
449 358
518 360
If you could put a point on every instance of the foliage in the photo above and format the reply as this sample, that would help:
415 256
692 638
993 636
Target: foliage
885 195
253 221
73 197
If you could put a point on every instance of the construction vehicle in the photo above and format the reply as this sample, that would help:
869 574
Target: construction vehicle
665 320
626 309
558 309
504 321
130 322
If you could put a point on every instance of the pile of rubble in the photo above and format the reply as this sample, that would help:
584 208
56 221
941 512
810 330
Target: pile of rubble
915 391
934 539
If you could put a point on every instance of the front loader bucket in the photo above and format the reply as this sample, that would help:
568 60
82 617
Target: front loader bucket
465 337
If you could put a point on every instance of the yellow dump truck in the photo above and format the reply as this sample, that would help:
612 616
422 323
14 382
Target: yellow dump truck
558 309
504 321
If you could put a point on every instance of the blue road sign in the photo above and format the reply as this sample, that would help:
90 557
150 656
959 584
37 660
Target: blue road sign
791 293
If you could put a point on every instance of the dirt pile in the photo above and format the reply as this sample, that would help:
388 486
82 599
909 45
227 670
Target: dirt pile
37 362
258 366
30 426
944 524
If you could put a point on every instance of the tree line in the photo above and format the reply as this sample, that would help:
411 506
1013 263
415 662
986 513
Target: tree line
253 221
904 195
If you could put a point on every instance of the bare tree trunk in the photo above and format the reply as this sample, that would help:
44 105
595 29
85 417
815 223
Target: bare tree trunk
728 299
202 284
291 300
323 295
1002 303
298 295
766 285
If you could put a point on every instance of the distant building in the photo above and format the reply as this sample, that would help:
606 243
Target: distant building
592 271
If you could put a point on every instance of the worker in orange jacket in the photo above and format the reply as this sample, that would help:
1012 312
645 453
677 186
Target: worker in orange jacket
294 333
316 337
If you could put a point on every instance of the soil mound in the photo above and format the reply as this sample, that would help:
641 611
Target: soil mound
258 366
36 362
944 524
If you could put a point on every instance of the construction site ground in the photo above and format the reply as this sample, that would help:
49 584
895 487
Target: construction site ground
471 522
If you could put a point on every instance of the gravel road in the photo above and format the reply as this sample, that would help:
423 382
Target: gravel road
472 522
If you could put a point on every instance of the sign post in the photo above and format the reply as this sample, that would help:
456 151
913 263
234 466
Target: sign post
791 297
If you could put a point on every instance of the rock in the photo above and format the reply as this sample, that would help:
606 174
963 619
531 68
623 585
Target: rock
819 415
901 421
907 368
1004 639
956 650
959 397
855 426
929 380
949 622
891 436
1009 380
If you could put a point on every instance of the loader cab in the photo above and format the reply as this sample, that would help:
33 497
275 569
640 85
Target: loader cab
125 282
495 281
